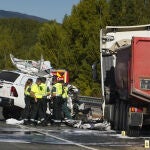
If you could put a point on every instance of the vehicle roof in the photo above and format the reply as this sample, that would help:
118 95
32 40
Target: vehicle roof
126 28
17 71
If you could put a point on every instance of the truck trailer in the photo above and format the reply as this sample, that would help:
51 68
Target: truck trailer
125 77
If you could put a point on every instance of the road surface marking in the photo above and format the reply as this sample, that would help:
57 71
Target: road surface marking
58 138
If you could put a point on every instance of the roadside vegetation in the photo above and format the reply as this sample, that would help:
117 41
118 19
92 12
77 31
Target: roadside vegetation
74 44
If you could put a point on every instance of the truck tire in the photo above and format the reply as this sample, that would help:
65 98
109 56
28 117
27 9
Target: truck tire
125 113
121 115
12 112
116 118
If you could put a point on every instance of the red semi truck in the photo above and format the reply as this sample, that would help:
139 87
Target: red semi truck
125 76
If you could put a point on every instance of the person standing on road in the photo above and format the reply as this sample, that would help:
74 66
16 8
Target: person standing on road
27 109
65 109
37 112
45 91
56 94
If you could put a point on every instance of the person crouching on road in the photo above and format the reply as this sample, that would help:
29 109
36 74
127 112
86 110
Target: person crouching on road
45 91
37 112
28 99
56 94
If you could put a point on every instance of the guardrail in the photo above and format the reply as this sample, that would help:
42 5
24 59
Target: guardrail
94 103
91 100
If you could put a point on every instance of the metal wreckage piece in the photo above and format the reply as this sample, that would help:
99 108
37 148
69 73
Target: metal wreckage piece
90 124
82 117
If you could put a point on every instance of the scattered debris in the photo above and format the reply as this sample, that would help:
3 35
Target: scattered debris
14 121
91 124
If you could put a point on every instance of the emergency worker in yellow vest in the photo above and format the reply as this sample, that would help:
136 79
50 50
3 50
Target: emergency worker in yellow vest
65 109
45 91
37 112
56 94
28 101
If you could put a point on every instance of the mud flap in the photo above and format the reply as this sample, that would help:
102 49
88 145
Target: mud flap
136 119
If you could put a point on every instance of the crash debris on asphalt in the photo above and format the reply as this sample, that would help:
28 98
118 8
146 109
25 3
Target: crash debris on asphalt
95 124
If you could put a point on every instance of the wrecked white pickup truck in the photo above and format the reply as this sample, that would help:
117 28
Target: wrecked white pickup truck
12 83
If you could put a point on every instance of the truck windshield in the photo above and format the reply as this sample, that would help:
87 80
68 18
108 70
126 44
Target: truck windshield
8 76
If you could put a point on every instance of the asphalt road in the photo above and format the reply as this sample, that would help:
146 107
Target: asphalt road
20 137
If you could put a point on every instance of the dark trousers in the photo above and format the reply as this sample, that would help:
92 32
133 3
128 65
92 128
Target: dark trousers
57 108
28 107
44 106
37 112
65 110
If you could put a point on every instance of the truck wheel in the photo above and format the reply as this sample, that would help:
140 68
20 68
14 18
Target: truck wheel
121 115
12 112
116 122
124 121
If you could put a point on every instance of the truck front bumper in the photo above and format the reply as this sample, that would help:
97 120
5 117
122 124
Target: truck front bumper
6 101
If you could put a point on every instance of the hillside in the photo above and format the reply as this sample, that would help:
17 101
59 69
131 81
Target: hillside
10 14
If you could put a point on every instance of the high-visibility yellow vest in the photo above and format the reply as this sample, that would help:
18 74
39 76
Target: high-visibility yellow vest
36 90
44 89
27 90
65 92
57 89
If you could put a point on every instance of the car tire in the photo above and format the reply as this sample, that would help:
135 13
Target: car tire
12 112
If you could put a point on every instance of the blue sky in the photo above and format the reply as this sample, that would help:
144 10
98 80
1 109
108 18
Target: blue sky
48 9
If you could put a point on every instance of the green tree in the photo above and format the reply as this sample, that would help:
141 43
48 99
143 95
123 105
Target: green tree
49 43
82 27
129 12
6 47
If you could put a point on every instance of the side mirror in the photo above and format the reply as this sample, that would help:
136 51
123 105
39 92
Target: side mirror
94 71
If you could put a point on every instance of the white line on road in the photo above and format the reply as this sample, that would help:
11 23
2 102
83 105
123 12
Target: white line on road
58 138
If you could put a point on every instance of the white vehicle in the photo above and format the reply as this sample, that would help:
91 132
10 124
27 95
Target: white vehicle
12 84
12 92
